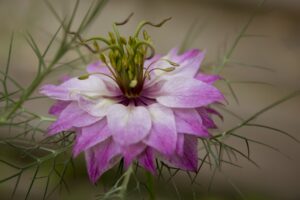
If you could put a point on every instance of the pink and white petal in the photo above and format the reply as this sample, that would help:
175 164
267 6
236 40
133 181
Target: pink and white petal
97 66
74 88
208 78
104 74
101 158
189 160
163 135
55 92
180 144
181 92
153 89
189 63
58 107
128 124
150 63
91 136
96 107
172 53
214 112
64 78
206 118
146 160
112 86
92 87
131 152
71 116
188 121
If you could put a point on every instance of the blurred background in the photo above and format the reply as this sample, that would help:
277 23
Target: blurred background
273 42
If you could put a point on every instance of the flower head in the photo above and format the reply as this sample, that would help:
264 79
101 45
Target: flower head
133 105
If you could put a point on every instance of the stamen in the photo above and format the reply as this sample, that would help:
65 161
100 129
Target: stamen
126 56
168 69
118 37
86 76
171 62
147 72
147 45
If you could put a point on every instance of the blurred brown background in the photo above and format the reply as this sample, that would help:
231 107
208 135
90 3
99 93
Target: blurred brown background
217 23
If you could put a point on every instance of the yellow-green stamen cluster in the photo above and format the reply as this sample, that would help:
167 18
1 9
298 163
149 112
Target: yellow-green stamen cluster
125 57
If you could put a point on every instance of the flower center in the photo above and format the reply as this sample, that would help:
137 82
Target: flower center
125 58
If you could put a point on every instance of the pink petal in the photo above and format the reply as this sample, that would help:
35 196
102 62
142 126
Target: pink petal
180 144
189 61
102 71
101 158
74 88
188 93
188 121
71 116
91 136
55 92
150 63
96 107
128 124
189 159
163 134
58 107
214 112
64 78
97 66
131 152
206 118
146 160
207 78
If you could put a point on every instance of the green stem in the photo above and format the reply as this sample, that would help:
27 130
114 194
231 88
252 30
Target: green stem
125 182
36 82
150 185
244 123
27 93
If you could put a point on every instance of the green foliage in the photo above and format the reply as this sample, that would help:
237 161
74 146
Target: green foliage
47 158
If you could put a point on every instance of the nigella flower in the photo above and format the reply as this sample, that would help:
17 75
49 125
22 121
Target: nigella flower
136 108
